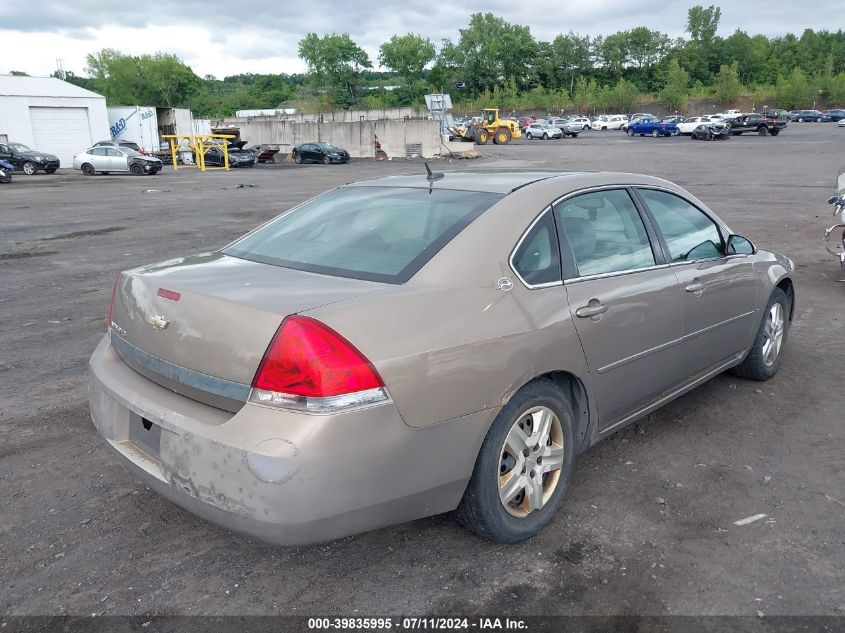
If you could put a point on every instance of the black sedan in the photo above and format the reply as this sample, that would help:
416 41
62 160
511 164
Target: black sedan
28 160
238 156
710 132
325 153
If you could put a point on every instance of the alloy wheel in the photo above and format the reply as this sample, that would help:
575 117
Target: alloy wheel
773 334
530 462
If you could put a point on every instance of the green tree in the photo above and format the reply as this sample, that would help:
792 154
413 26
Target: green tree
675 92
728 86
160 80
489 51
407 55
570 54
702 23
795 91
335 63
836 90
624 96
645 47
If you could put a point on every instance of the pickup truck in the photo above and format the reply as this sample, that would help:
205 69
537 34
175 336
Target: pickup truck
652 127
753 122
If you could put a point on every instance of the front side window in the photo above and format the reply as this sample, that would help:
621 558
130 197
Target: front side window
605 232
689 233
537 259
374 233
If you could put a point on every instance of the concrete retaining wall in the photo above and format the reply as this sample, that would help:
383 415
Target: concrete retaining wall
355 137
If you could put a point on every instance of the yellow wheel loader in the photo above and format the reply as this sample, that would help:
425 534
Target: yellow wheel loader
489 126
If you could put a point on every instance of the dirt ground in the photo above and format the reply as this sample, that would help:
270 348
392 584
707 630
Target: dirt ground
647 527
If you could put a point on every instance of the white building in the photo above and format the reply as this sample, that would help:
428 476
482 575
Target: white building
51 115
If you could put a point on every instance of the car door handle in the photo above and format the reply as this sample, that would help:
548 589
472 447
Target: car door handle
696 286
594 308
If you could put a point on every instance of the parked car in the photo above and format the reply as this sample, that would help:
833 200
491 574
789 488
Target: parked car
835 114
815 116
753 122
609 122
710 132
582 121
246 383
674 118
325 153
635 117
28 160
525 121
777 113
569 128
130 144
115 159
651 127
238 156
841 123
543 131
687 127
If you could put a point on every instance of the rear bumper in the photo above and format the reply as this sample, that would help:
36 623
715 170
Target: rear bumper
283 477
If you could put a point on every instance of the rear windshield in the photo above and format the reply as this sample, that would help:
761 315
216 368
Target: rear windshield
374 233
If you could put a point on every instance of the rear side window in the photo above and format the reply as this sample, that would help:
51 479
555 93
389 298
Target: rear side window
604 232
373 233
537 258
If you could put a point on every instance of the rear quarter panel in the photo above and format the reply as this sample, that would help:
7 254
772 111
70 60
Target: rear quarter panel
448 342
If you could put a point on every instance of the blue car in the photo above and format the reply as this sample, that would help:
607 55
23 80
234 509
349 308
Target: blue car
809 115
652 127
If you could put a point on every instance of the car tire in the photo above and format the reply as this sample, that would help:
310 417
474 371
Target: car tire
762 362
482 509
655 134
763 130
29 168
327 160
136 170
297 158
528 136
800 120
545 137
88 169
774 132
630 132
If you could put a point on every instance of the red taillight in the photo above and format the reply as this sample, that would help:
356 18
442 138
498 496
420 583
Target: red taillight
309 359
111 303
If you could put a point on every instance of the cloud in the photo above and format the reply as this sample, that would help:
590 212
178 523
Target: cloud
223 38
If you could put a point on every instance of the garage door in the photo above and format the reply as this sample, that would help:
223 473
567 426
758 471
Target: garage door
61 131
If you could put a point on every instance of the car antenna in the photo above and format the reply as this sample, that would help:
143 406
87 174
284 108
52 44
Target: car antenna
432 176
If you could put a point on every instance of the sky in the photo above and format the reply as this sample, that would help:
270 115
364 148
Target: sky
226 38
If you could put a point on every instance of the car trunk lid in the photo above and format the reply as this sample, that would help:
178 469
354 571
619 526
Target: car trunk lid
200 325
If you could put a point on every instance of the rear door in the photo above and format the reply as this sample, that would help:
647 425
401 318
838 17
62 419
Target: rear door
624 299
719 291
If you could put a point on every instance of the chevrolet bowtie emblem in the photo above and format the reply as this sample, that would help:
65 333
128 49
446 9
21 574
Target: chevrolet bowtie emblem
158 321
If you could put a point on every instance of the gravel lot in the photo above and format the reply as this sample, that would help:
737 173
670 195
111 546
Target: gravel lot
647 527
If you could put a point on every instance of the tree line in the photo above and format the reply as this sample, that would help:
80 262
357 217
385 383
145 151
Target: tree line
496 63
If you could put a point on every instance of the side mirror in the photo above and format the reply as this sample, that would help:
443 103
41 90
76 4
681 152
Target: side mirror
738 245
833 200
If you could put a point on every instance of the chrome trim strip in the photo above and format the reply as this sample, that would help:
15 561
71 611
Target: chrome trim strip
197 380
516 248
616 273
677 341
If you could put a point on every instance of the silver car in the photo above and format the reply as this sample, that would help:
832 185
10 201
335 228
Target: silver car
106 159
412 345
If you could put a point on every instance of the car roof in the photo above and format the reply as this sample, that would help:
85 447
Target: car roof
506 182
